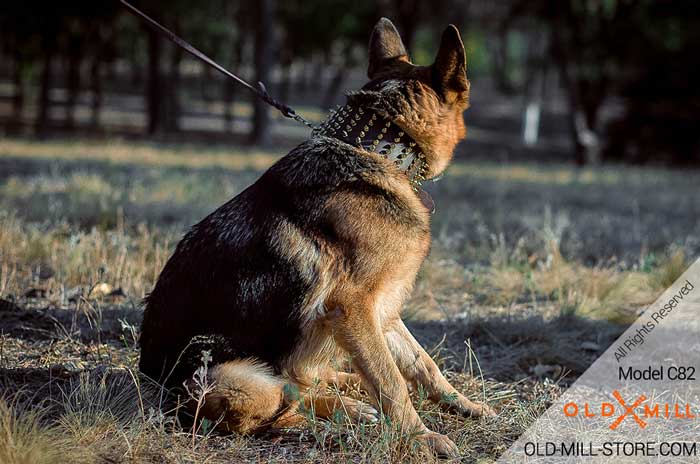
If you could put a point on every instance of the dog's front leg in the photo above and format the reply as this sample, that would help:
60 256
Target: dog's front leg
417 366
357 330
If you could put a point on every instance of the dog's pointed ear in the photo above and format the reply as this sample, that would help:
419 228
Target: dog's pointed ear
450 67
385 47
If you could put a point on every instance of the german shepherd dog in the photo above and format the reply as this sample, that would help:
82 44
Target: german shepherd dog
311 265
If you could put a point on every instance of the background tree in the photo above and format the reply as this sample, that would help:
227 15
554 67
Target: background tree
624 68
614 48
336 45
264 39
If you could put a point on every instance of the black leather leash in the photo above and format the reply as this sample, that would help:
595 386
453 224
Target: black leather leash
260 91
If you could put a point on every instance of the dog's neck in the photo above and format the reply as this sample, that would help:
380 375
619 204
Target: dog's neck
366 129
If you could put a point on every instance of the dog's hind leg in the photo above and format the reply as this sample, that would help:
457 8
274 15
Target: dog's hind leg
245 396
418 367
323 406
326 406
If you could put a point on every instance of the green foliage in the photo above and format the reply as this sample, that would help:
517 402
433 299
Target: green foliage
335 25
478 56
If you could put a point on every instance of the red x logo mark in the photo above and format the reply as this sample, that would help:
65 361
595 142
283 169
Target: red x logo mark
628 410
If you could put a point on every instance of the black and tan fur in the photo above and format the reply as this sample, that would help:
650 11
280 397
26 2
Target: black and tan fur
311 265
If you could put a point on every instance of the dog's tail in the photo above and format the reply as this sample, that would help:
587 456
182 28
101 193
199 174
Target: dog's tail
243 395
239 393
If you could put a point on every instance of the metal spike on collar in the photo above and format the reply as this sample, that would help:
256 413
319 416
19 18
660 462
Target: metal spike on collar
354 124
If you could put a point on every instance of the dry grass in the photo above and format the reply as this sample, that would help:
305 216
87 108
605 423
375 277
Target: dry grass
607 293
62 263
25 440
104 416
514 301
143 154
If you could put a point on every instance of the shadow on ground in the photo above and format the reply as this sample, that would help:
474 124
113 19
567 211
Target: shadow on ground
501 349
509 349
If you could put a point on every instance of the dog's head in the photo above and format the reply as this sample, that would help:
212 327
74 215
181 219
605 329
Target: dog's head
427 102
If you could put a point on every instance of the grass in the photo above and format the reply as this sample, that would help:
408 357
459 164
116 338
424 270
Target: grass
25 439
534 271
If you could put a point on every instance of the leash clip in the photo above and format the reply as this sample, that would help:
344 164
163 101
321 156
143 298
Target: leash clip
286 111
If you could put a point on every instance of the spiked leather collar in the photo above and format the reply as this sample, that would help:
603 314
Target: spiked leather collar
366 129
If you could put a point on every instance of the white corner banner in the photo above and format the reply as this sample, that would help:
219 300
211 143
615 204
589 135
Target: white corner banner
638 402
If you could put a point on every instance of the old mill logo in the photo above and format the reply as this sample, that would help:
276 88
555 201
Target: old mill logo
639 411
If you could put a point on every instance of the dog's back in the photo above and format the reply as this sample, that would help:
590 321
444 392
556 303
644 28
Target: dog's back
244 273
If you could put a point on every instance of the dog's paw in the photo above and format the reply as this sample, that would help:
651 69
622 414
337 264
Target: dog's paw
359 411
346 381
440 445
473 409
468 408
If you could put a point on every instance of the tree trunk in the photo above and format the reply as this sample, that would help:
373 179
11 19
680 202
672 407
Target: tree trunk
501 63
302 81
408 18
172 104
96 88
74 63
18 96
285 81
260 133
582 137
229 90
43 115
334 86
154 90
209 77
